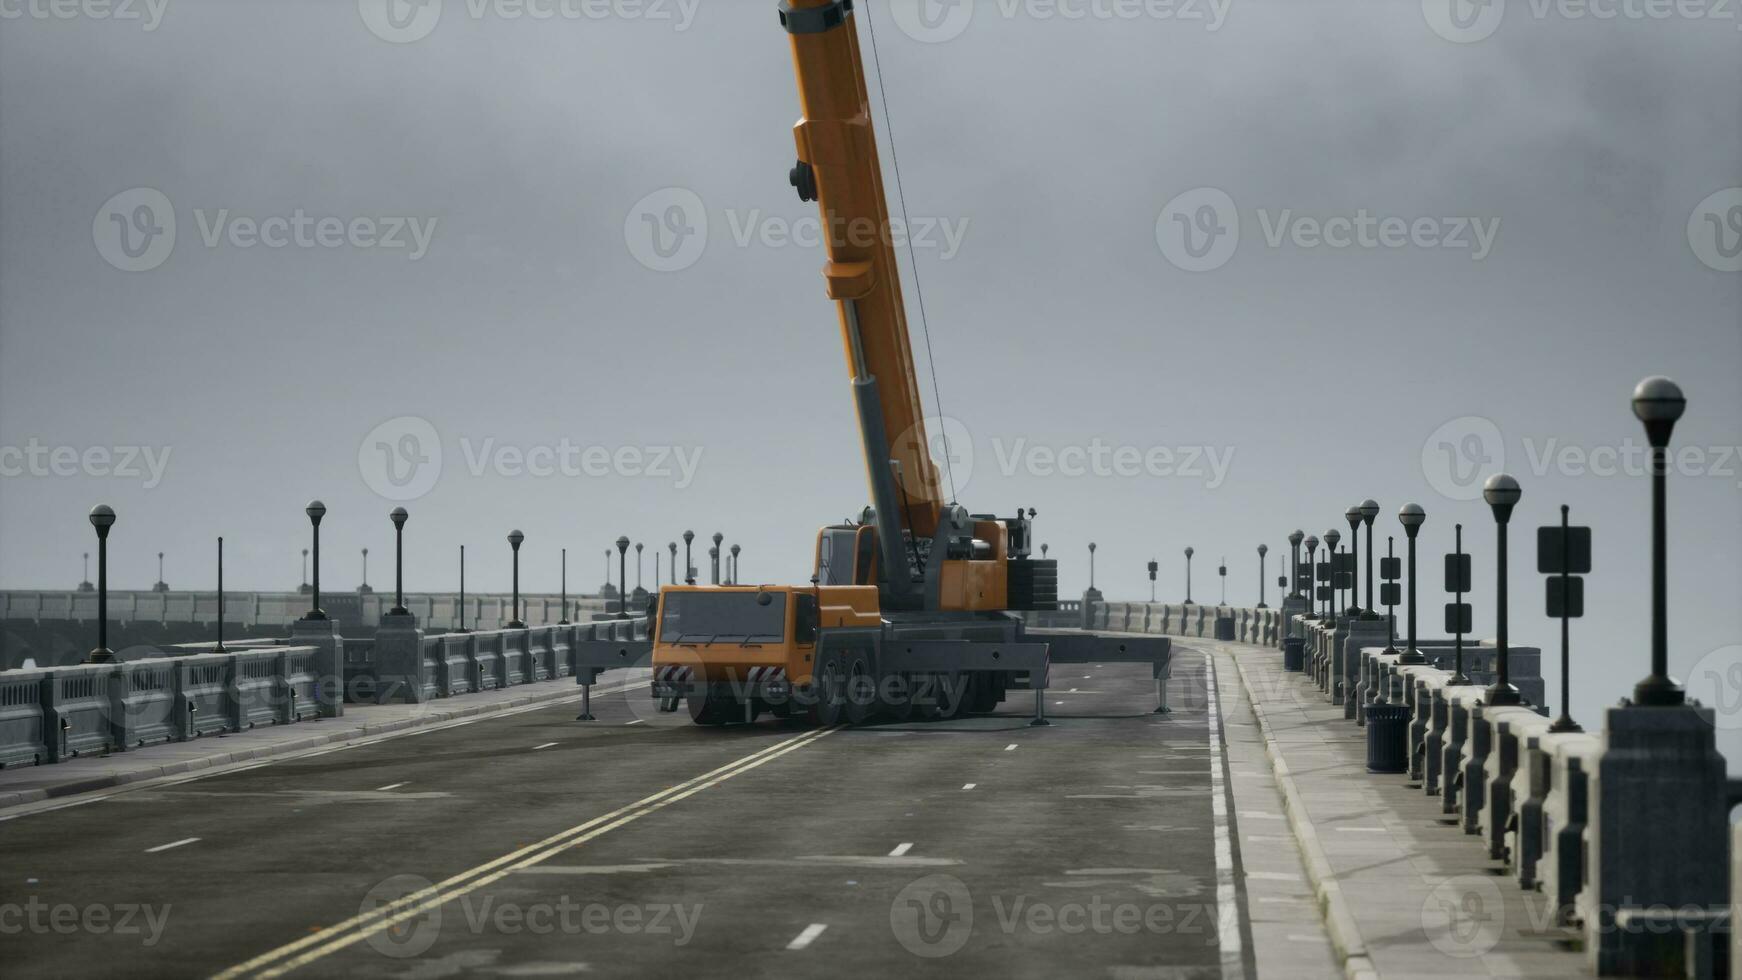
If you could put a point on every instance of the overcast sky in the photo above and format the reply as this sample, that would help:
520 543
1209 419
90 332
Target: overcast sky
268 251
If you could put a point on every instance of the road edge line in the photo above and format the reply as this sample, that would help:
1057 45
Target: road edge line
1340 923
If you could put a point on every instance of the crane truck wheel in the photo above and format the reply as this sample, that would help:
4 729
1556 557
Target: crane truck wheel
861 701
828 693
708 709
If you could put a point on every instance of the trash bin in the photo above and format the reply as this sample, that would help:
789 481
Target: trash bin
1224 627
1387 738
1294 654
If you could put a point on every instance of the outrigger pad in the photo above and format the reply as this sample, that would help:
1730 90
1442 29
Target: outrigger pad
1076 647
594 657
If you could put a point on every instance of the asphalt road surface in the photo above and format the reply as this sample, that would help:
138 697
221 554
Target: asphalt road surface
638 844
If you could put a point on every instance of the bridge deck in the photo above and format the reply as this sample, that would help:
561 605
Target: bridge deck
1112 843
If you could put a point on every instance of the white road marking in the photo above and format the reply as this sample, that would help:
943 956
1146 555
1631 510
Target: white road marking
808 936
546 745
165 847
969 785
1362 830
1272 876
383 789
901 849
1227 907
635 722
1011 747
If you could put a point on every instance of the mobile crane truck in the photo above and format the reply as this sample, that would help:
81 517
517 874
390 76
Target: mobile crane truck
911 611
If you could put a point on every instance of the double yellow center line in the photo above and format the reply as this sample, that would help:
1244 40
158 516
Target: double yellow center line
330 940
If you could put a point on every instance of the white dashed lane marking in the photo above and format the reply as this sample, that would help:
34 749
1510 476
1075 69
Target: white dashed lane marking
383 789
808 936
165 847
969 785
901 849
546 745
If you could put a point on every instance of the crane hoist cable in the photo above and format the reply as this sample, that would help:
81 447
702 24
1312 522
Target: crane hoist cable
912 261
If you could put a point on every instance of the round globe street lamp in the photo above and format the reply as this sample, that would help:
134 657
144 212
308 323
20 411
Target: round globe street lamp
715 555
1502 493
364 589
303 588
1043 549
1189 554
1353 516
640 590
1294 540
514 540
315 511
1091 566
689 565
102 518
622 577
672 547
1412 517
564 564
1658 402
1262 551
735 550
398 516
1370 510
1312 553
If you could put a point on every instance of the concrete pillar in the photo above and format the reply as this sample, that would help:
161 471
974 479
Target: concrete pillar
329 662
399 668
1657 834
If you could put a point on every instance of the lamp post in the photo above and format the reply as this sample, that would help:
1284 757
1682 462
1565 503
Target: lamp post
1294 539
714 556
398 516
102 518
303 588
1658 402
160 585
364 589
1154 566
1412 517
85 579
564 621
1369 511
1091 566
514 540
1043 550
735 550
622 577
1331 538
1262 551
1312 556
315 511
672 547
220 647
639 589
1222 571
1189 553
1353 516
1502 493
689 565
462 627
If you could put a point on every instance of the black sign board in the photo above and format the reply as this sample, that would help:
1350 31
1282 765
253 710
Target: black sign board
1324 571
1305 581
1326 594
1388 594
1282 581
1457 573
1568 602
1391 569
1557 546
1457 617
1344 580
1344 562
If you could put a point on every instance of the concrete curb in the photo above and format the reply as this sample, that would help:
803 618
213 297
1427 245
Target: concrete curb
1345 935
83 783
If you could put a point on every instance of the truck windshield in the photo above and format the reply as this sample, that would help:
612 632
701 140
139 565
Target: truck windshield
721 617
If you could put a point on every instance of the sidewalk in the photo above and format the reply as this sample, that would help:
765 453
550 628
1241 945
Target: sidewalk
1404 892
30 784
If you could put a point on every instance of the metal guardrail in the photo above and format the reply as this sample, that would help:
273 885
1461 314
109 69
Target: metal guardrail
279 609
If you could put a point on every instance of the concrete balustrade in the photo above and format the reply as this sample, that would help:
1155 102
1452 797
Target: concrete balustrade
1257 626
412 666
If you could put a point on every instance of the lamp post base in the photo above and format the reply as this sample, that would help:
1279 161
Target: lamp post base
1503 694
1413 658
1565 725
101 655
1658 691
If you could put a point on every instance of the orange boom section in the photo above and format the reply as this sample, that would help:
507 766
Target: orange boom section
839 167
